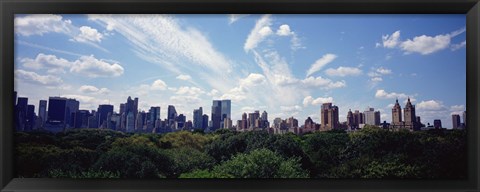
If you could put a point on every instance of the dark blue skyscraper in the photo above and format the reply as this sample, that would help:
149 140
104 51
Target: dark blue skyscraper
30 120
102 113
221 109
61 110
216 114
21 113
198 118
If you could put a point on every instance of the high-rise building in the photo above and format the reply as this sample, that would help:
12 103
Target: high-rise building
221 109
437 123
292 122
81 119
180 122
102 113
410 117
154 115
350 120
216 114
31 117
372 117
21 113
171 116
122 108
456 121
244 124
130 122
464 116
14 98
227 123
61 110
309 124
42 111
204 121
329 116
226 110
397 115
198 118
252 117
141 116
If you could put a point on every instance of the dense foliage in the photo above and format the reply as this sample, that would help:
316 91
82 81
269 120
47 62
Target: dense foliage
369 153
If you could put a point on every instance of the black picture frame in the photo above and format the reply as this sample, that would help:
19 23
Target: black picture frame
10 7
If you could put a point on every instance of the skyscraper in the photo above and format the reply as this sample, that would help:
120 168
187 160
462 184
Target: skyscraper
456 121
410 117
397 115
154 115
244 121
221 109
437 123
204 121
42 110
226 110
198 118
464 116
216 114
21 113
102 113
30 120
171 116
130 122
329 116
372 117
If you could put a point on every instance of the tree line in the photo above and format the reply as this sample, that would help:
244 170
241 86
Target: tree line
369 153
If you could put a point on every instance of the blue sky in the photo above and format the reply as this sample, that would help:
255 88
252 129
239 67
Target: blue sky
285 64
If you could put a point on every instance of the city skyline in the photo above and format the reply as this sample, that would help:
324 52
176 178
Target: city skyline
278 63
328 114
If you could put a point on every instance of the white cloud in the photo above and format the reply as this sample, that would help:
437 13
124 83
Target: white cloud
94 90
430 105
426 44
232 18
455 47
40 24
88 34
291 109
282 80
213 93
185 99
159 85
323 83
184 77
343 71
43 60
376 79
422 44
34 78
284 30
382 94
391 41
457 108
174 47
92 67
86 101
195 91
384 71
258 33
309 100
458 32
252 80
320 63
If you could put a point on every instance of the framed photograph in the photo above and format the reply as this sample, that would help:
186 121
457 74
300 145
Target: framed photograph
239 96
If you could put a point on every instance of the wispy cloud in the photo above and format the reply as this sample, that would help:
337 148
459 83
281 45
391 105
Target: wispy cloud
320 63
